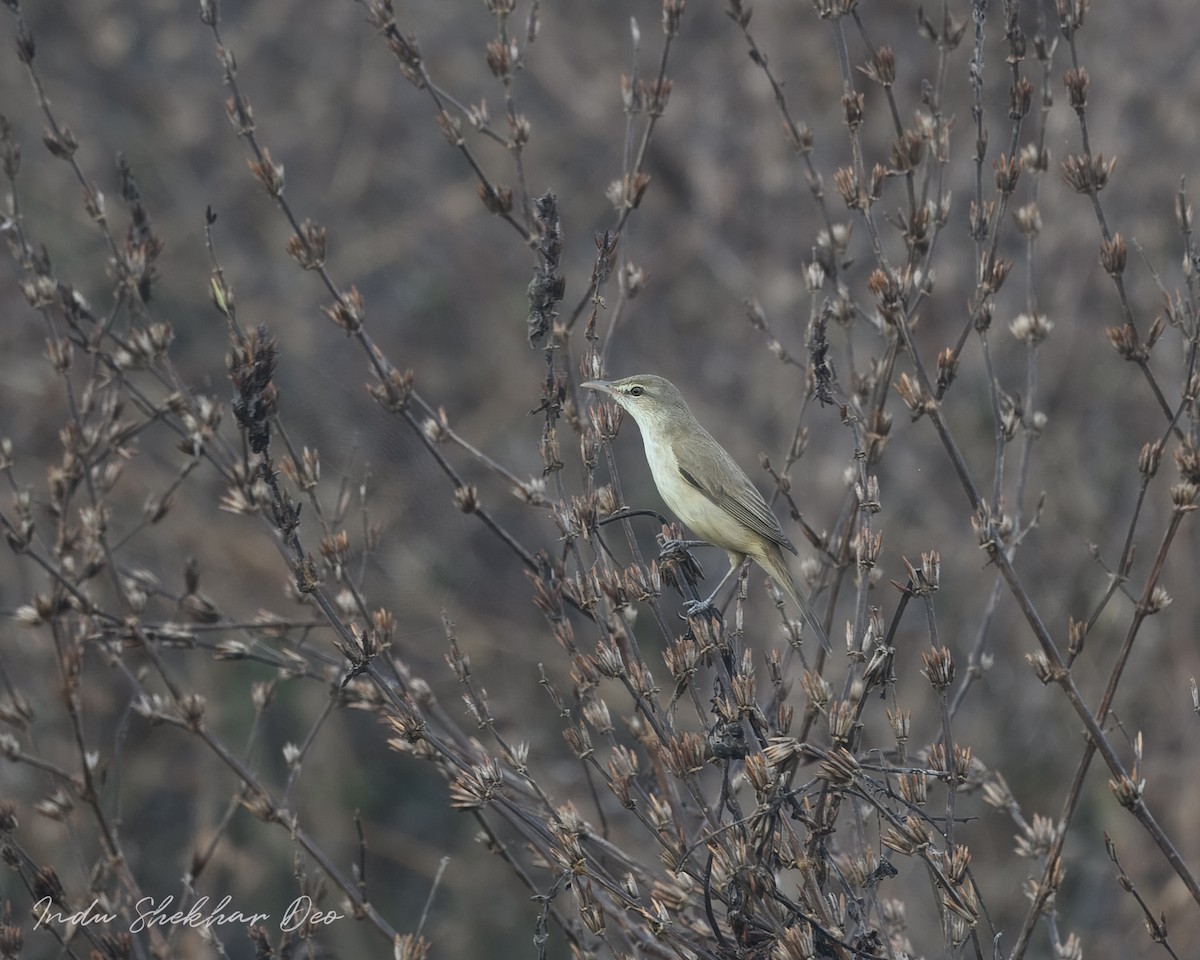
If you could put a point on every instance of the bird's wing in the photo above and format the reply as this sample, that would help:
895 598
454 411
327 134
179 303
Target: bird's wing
737 496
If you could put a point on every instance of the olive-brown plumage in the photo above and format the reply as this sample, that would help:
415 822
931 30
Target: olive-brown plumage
703 485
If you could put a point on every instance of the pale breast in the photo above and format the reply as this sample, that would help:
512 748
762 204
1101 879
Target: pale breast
697 512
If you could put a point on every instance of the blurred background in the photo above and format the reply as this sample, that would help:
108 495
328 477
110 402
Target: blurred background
728 215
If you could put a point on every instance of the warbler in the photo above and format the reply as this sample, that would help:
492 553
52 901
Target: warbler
703 485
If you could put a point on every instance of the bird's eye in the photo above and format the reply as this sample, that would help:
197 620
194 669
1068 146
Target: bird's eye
636 391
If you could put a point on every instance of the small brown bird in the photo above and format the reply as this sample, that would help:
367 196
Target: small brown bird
703 485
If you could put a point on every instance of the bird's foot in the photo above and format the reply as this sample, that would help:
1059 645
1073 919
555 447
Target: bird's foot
702 610
669 546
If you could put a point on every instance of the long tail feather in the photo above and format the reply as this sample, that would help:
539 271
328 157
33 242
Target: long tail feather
777 567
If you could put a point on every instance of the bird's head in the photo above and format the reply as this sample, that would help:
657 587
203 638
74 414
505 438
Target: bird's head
652 401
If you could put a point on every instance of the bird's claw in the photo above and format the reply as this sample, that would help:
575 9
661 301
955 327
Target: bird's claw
667 547
698 609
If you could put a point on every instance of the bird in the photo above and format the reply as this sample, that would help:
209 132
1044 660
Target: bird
703 485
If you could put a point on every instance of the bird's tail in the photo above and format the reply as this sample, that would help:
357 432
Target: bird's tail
775 564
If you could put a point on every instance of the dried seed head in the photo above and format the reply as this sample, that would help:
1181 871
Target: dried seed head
914 396
1184 496
1031 330
1036 838
1125 341
947 362
931 569
796 943
882 68
57 806
633 279
832 9
839 768
1150 458
910 837
958 864
644 584
268 173
622 770
1008 172
39 291
888 288
867 547
61 144
814 277
596 713
939 667
996 793
626 193
46 883
845 181
1187 459
500 57
683 658
1088 174
1028 217
762 777
962 917
1020 98
800 136
916 236
980 216
1112 255
901 723
837 241
1076 635
1035 158
1072 948
642 681
307 247
608 662
1158 601
496 199
1071 14
8 817
260 806
852 109
994 277
348 311
672 13
191 708
684 754
1046 671
579 739
817 689
1183 213
842 721
905 153
477 786
914 787
437 428
1076 81
406 50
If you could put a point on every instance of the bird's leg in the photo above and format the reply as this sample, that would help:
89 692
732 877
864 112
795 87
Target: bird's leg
694 607
743 566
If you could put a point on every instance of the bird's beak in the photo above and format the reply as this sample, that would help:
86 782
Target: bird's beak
602 385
